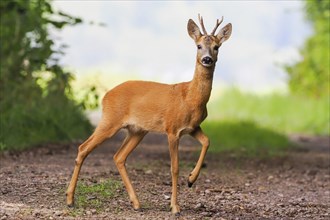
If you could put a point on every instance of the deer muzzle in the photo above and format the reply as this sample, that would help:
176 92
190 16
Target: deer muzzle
207 61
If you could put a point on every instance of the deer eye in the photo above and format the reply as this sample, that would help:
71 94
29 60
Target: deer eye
216 48
199 47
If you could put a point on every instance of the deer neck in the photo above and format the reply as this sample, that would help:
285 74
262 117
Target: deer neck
201 85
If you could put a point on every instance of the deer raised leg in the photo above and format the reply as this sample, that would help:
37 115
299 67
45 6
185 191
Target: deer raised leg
204 140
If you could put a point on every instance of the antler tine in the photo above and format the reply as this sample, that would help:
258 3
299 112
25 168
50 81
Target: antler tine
217 25
200 18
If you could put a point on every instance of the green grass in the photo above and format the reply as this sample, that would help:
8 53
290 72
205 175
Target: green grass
94 196
281 113
258 125
245 139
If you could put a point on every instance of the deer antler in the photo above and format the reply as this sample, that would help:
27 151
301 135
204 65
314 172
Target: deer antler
217 25
200 18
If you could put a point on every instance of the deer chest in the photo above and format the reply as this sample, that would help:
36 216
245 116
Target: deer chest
192 120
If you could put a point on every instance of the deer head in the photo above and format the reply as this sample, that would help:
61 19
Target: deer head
208 45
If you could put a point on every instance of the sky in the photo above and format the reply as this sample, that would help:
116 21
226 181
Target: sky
148 40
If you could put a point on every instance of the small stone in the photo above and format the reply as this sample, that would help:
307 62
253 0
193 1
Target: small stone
93 180
293 202
148 172
88 212
207 181
247 184
207 191
167 183
58 213
91 197
312 172
218 197
206 214
270 178
302 199
167 197
199 206
93 211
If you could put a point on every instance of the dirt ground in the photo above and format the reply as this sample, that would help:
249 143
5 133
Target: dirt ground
295 186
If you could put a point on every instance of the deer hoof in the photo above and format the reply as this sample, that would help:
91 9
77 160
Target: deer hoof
138 209
136 206
175 210
177 214
190 184
71 205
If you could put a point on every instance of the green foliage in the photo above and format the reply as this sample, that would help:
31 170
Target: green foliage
50 119
244 138
310 76
36 101
281 113
95 196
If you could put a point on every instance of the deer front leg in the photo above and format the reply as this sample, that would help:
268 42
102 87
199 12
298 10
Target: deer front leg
204 140
174 154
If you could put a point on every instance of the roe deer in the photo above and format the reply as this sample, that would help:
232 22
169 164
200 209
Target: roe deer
142 106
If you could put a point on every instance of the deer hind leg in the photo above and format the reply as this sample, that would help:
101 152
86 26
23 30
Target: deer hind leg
101 133
129 144
204 140
173 142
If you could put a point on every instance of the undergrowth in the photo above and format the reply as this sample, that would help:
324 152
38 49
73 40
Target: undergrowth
94 196
51 119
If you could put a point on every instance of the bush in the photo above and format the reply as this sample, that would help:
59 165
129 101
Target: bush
310 76
51 119
36 102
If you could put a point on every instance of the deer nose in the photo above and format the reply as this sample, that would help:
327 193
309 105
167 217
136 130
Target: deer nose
207 60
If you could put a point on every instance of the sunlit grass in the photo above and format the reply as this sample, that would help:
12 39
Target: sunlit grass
282 113
245 139
259 125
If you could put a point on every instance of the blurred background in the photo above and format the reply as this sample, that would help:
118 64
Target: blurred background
149 40
58 58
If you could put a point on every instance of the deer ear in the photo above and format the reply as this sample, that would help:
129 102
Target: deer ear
224 33
193 30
